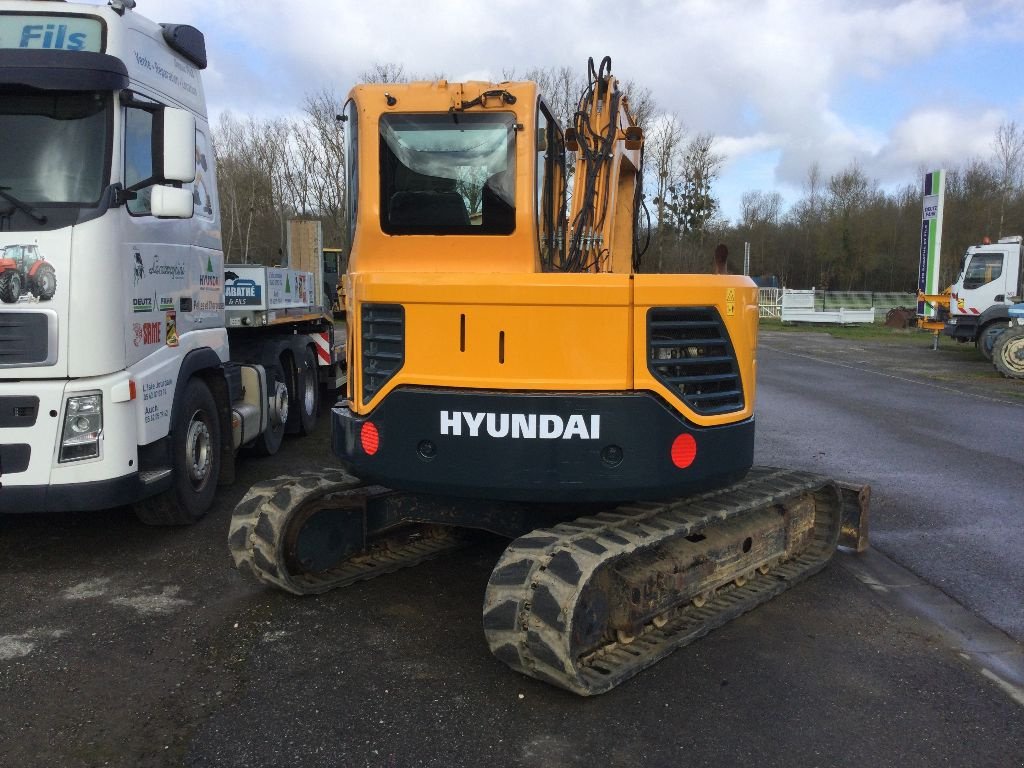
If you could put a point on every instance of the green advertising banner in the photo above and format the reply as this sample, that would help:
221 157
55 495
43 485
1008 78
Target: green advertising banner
931 239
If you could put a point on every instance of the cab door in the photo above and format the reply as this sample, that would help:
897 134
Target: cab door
984 278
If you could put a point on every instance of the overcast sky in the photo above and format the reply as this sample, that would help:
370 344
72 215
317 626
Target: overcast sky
899 86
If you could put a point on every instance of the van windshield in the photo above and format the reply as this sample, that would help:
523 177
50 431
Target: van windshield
54 145
448 173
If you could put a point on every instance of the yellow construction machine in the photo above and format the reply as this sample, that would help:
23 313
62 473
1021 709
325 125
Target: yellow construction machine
510 369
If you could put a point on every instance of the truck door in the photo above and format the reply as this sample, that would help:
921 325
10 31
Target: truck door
983 279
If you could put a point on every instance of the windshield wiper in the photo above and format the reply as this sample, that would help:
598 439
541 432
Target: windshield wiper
23 207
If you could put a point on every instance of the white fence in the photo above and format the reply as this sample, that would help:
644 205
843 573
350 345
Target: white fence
770 303
800 307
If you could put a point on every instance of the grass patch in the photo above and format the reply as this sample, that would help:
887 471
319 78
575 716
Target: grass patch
862 331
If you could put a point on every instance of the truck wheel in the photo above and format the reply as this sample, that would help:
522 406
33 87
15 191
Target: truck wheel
1008 353
268 443
195 446
987 338
306 402
44 283
10 286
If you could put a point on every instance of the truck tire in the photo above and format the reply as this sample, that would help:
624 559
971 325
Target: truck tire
986 338
1008 353
269 441
10 286
43 283
196 456
306 400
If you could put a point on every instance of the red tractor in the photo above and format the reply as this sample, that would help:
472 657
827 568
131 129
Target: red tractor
23 270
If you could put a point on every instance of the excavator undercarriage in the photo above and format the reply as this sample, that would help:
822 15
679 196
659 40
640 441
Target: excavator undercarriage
584 604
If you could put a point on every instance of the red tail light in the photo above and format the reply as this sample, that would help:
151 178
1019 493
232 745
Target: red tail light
369 438
684 451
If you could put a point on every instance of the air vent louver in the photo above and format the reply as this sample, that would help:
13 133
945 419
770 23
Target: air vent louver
383 345
689 351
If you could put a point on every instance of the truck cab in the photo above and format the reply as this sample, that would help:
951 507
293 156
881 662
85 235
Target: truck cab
107 186
988 284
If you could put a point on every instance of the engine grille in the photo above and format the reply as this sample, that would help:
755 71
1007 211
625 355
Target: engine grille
27 338
383 345
690 352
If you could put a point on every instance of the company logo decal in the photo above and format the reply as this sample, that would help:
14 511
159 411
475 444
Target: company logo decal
142 305
171 329
25 275
140 268
175 271
146 333
243 292
517 426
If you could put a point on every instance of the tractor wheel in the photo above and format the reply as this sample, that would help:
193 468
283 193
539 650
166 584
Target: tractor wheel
1008 353
987 338
196 455
10 286
44 283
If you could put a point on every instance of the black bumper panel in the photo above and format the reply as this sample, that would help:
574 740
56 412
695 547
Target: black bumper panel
964 329
74 497
625 455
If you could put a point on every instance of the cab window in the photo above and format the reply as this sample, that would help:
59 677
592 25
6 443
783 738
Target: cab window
982 269
448 174
138 156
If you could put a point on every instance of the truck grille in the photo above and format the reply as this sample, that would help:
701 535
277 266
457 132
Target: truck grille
28 338
690 352
383 345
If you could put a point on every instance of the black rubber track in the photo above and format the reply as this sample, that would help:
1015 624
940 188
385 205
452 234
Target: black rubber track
532 595
259 527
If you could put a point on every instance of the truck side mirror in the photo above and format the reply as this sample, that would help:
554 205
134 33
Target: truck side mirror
177 145
171 203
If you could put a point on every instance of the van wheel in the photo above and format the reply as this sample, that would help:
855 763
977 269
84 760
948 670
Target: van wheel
196 455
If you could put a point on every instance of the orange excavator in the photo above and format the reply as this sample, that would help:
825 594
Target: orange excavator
512 370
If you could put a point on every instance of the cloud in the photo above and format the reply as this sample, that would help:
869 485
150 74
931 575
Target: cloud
937 138
798 82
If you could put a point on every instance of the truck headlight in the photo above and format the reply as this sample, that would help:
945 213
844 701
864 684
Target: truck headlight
83 427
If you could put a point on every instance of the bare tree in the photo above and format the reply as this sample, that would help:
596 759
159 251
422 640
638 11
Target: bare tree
1009 163
323 142
389 72
663 154
701 166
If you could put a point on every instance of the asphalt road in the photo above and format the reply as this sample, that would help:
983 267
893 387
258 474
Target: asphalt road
937 434
130 646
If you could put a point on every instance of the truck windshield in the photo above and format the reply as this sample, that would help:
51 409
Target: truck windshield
448 173
54 146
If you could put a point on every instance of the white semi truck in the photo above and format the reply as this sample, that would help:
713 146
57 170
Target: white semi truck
133 364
